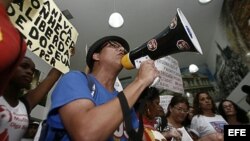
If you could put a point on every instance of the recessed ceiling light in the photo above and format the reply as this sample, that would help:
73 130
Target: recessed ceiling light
116 20
204 1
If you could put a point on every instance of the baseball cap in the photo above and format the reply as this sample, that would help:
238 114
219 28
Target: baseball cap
98 44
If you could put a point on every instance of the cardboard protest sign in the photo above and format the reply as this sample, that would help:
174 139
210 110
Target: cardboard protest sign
47 32
170 75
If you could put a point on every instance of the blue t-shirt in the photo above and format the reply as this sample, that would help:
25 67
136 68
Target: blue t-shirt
74 85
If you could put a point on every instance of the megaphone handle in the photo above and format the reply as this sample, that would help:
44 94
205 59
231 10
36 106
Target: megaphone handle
157 79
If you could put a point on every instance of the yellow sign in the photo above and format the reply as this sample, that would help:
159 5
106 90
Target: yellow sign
48 33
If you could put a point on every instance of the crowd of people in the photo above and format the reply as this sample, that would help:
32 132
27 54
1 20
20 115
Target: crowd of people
86 106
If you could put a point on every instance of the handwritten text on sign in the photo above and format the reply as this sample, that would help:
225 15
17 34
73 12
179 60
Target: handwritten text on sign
164 102
48 33
170 75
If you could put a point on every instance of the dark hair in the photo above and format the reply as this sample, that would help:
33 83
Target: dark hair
241 114
176 100
148 94
187 120
196 104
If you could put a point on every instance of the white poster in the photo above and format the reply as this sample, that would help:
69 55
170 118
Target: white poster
47 32
164 102
170 75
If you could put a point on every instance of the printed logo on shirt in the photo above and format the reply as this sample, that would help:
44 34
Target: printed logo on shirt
218 126
120 132
93 91
5 118
12 123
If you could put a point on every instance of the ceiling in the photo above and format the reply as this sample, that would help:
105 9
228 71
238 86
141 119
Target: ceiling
143 19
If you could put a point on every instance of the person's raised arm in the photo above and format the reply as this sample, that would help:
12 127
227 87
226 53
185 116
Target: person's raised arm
145 76
85 121
34 96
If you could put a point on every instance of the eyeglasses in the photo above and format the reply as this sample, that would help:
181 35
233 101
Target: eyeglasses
179 109
114 45
228 106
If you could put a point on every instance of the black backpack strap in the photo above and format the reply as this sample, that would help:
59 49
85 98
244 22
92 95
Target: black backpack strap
133 135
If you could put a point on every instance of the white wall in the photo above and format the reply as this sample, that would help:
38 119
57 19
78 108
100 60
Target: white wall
221 38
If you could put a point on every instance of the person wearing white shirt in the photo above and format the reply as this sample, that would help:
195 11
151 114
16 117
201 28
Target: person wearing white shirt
206 121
